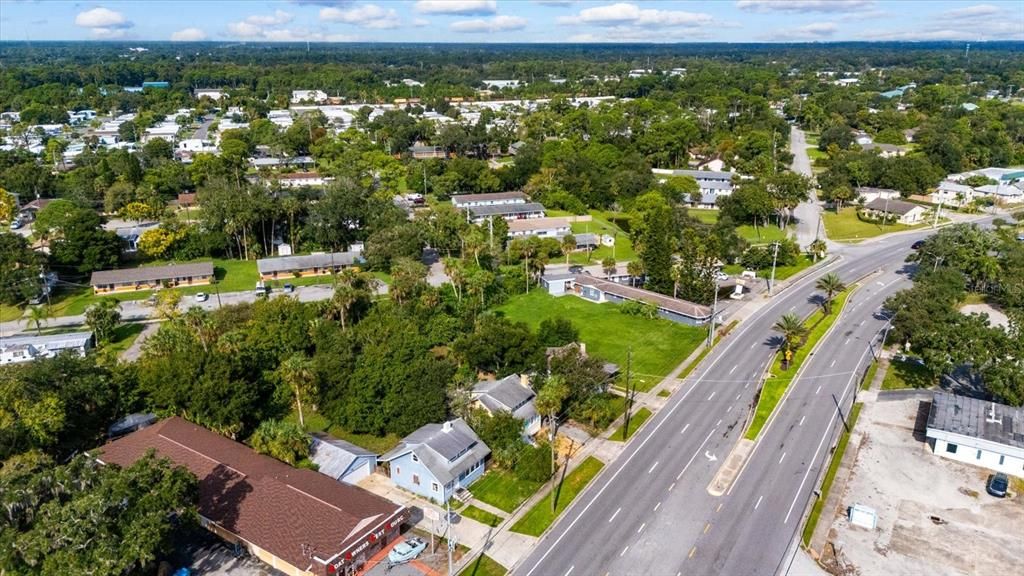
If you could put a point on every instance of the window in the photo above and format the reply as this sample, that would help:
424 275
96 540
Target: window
398 470
978 457
1002 458
416 479
951 448
415 458
435 487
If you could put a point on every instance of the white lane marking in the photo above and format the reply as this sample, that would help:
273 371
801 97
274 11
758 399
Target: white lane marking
847 342
672 486
738 396
699 448
818 390
570 570
683 431
754 375
734 368
718 423
729 409
758 501
792 308
656 506
614 515
801 421
641 528
712 395
746 384
653 467
752 345
828 432
832 365
783 458
861 323
623 553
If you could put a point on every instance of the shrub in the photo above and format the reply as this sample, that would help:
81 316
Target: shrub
636 308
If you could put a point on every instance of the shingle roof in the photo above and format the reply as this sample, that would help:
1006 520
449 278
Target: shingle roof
305 262
264 501
682 307
704 174
508 392
494 196
335 457
506 209
438 449
972 417
537 224
892 206
152 273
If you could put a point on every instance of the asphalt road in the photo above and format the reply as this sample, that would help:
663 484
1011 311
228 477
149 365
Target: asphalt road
650 513
808 214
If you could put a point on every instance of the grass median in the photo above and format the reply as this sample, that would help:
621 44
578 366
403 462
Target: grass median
830 476
538 518
776 385
637 420
483 565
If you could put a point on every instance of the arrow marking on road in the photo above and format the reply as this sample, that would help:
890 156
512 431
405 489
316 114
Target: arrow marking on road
695 455
710 456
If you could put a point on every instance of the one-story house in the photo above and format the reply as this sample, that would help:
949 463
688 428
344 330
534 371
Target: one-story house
977 432
319 264
15 349
542 227
437 460
952 193
868 193
302 179
903 212
511 394
151 277
885 150
341 460
599 290
478 214
462 201
421 152
297 521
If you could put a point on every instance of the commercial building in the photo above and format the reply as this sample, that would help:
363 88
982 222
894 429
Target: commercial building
478 214
16 349
462 201
977 432
599 290
540 227
307 265
297 521
152 277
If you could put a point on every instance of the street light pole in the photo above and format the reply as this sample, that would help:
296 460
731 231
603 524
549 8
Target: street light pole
775 258
938 211
714 313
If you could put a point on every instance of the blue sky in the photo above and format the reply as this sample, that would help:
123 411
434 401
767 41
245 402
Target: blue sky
512 20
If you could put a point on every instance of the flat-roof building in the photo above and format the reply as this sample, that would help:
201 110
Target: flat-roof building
306 265
151 277
977 432
599 290
16 349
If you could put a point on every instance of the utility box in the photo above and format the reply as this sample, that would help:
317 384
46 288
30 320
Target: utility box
863 516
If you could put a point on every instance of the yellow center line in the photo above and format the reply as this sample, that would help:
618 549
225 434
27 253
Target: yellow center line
692 552
707 527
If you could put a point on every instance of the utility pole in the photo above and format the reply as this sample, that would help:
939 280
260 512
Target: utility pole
885 215
714 313
629 395
775 258
938 211
448 533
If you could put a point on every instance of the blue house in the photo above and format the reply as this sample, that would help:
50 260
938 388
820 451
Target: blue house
438 459
341 460
510 394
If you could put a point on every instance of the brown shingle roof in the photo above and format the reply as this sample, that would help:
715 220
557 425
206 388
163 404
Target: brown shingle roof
152 273
264 501
893 206
683 307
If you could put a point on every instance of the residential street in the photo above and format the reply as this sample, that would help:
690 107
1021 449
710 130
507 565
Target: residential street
808 214
649 512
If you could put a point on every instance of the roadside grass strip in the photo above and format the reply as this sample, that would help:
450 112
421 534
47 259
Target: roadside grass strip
539 518
776 385
501 489
830 476
482 516
635 422
483 565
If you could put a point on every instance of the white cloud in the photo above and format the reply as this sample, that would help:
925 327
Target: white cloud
647 35
104 23
497 24
976 11
245 30
624 14
278 18
420 22
555 3
804 5
460 7
978 22
366 16
813 31
101 17
188 35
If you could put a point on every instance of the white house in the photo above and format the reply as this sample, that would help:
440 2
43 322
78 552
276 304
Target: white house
317 96
500 84
953 194
903 212
555 227
301 179
510 394
462 201
25 348
196 145
977 432
211 93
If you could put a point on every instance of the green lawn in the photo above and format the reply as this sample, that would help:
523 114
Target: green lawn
123 337
483 565
622 251
846 227
830 476
482 516
316 422
8 313
503 490
814 154
658 345
638 418
906 374
232 276
759 235
538 518
775 386
870 376
781 272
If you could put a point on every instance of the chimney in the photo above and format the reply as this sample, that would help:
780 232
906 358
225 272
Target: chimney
524 379
446 427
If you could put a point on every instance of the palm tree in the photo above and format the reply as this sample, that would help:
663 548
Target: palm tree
608 264
635 269
793 332
831 285
296 372
818 249
568 245
37 317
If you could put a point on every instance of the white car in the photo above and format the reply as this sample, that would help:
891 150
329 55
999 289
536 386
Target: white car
202 297
721 276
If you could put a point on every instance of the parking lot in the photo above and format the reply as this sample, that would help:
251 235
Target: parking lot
934 516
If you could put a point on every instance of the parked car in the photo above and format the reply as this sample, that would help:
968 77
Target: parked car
575 269
405 551
997 485
262 289
202 297
721 276
289 288
16 223
917 245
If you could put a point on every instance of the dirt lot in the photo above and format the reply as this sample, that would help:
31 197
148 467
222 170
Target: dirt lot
898 476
